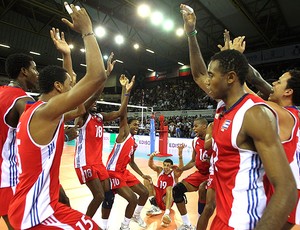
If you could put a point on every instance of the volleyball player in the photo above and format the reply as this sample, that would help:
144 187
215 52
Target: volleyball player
242 145
40 139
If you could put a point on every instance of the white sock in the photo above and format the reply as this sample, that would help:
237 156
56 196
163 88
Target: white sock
138 210
167 212
103 223
185 219
126 221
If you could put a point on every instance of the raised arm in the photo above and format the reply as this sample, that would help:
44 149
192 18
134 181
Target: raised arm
177 173
151 164
94 78
115 114
63 47
95 96
191 163
180 148
198 66
123 126
257 80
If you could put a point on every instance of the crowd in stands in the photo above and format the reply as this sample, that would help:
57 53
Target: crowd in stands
174 94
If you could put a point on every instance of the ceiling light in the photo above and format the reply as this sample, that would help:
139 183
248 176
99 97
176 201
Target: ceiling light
71 46
179 32
59 59
83 65
5 46
168 25
150 51
151 70
119 61
105 57
35 53
100 32
119 39
82 50
136 46
180 63
156 18
143 10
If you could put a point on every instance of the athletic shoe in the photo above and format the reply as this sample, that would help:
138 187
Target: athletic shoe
124 227
166 220
139 220
186 227
154 210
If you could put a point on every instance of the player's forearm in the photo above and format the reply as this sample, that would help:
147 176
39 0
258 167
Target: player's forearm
257 80
67 64
198 66
188 166
136 168
95 66
180 159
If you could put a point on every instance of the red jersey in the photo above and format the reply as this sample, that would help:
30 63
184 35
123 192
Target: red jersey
38 190
290 146
89 143
202 156
165 180
120 155
8 163
238 173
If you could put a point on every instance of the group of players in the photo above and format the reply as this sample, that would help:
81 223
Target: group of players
250 148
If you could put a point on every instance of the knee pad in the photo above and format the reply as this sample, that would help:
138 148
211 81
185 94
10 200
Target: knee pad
178 193
108 199
153 201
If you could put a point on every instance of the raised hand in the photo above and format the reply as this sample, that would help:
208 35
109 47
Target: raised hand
81 21
180 148
59 41
154 154
189 18
110 64
239 44
123 80
227 41
130 84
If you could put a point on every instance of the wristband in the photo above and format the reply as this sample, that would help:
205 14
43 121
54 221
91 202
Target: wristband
193 33
127 94
87 34
66 138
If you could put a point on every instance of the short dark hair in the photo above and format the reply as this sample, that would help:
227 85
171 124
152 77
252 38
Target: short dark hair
201 120
232 60
294 84
168 161
131 119
15 62
49 75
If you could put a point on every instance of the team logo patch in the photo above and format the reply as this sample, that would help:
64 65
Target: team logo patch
225 125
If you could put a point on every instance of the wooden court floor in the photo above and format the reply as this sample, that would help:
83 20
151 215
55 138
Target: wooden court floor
80 197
